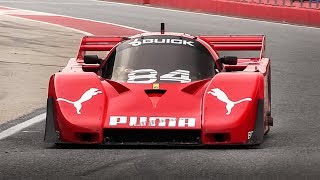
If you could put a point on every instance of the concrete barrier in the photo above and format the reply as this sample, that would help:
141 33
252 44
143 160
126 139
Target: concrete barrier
295 15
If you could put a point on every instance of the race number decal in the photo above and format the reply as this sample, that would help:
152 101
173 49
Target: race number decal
150 76
143 76
179 75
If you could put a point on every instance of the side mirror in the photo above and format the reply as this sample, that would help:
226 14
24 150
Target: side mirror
229 60
92 59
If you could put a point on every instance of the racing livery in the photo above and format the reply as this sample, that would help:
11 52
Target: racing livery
162 88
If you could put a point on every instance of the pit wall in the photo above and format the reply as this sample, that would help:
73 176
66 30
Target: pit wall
285 14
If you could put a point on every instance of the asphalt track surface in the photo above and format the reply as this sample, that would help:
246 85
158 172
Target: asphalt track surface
291 149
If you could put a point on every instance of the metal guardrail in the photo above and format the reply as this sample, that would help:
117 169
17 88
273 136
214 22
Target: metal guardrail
310 4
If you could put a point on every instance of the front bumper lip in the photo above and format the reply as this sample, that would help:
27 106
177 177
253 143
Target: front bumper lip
158 145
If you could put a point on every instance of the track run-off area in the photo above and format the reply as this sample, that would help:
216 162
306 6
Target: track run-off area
33 50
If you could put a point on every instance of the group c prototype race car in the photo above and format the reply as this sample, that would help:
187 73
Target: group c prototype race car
162 88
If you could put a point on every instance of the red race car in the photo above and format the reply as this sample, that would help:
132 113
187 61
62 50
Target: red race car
164 89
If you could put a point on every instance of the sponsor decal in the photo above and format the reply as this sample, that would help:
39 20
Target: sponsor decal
86 96
152 121
156 86
150 76
222 96
138 42
250 134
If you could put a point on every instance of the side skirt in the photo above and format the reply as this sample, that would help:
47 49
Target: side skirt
258 133
50 131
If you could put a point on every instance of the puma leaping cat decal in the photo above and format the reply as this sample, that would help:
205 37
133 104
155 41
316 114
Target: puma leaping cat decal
85 97
224 98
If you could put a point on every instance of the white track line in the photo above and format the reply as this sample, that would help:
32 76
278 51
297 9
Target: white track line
76 30
19 127
50 14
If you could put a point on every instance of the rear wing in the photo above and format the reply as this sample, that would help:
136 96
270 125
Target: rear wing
237 43
94 43
218 43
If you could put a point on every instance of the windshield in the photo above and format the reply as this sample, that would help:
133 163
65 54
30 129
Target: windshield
154 59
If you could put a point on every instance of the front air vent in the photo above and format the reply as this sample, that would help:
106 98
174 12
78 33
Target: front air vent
152 136
158 92
118 87
194 87
155 95
87 137
221 137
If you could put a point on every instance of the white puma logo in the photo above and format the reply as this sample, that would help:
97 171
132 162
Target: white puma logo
224 98
85 97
